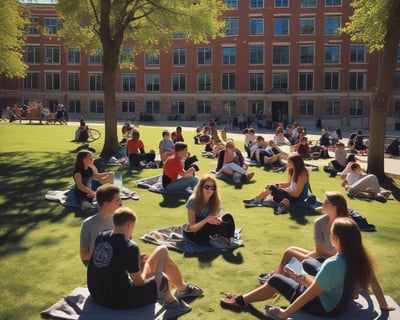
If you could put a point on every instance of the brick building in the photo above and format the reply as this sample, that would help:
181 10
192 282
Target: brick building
284 58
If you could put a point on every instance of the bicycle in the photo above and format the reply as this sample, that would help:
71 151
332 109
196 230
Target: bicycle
94 134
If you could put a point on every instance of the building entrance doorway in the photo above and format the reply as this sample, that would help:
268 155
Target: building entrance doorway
279 112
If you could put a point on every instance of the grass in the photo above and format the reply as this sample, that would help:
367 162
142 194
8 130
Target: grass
39 240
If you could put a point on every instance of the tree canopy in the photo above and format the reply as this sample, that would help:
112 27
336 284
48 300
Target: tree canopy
12 38
150 25
377 24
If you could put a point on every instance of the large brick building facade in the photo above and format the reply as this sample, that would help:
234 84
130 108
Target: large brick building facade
284 58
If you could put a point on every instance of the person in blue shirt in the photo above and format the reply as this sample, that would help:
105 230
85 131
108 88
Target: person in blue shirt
333 287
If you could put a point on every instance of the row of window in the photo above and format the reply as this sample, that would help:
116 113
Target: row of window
204 107
280 80
281 26
280 55
259 4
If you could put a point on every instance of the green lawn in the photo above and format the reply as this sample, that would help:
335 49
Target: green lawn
39 240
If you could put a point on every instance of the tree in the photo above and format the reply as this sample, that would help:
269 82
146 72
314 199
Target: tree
377 24
12 39
148 24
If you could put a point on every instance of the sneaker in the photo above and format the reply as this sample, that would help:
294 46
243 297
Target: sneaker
142 163
190 291
178 305
281 209
350 194
248 200
254 203
264 277
381 198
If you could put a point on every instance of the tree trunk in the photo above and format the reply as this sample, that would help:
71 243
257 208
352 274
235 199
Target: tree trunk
385 85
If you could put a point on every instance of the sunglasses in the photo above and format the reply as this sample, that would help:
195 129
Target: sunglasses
208 187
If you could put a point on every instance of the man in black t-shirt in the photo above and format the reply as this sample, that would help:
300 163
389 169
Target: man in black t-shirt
120 277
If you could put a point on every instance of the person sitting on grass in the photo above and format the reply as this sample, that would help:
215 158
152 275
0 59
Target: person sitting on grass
82 133
231 163
334 206
109 200
135 151
303 148
204 214
119 277
262 154
328 292
84 173
286 193
166 146
175 177
358 183
177 135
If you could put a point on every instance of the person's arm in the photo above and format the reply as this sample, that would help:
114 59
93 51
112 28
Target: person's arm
187 173
82 187
196 227
101 176
380 297
137 278
321 251
85 254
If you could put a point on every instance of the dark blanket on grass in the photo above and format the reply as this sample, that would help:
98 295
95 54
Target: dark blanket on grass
79 305
173 238
154 184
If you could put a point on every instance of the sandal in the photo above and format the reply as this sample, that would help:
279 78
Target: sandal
230 301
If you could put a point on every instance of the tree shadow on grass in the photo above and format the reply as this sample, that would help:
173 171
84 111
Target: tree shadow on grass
173 200
24 184
299 214
206 257
390 184
247 310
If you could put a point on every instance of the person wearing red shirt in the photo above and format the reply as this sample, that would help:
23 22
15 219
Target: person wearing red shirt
175 177
135 151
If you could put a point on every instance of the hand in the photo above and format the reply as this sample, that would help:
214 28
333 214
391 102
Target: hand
214 220
143 260
292 274
91 195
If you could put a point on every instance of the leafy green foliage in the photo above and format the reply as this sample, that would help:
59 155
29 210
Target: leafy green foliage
12 23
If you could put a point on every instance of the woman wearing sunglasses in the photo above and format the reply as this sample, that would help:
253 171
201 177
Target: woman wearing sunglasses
204 214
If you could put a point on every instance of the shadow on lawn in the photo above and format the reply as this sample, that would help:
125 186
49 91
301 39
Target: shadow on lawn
23 187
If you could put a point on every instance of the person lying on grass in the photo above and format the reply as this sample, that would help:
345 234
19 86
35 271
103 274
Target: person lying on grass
334 286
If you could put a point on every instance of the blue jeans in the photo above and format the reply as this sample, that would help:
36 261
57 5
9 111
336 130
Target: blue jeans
182 183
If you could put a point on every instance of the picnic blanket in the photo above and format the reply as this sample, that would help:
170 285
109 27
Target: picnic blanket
365 307
174 238
154 184
79 305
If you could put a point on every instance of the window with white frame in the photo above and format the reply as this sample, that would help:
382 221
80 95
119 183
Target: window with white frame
179 56
256 4
308 3
281 26
307 54
280 80
95 82
73 56
51 25
153 106
178 82
332 107
96 57
256 81
332 54
74 106
128 82
332 24
306 107
128 106
229 55
356 107
331 82
73 81
152 82
204 81
178 108
151 60
307 26
256 26
280 54
31 81
126 56
256 54
96 106
306 81
52 55
228 81
203 106
358 54
33 27
357 80
32 54
333 3
204 56
229 108
231 26
281 3
52 81
232 4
